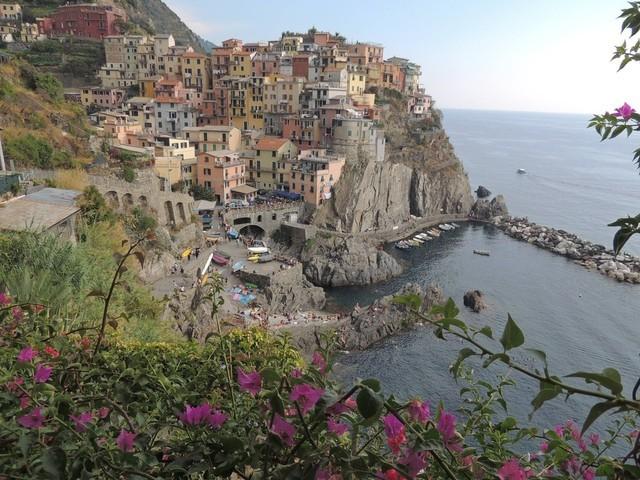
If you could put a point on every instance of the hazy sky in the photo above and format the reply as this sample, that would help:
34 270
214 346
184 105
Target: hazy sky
543 55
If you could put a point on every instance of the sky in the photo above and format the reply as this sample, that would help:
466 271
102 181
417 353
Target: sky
521 55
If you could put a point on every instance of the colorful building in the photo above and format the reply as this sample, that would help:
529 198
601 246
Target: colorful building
314 174
220 172
270 169
83 20
365 53
102 97
211 138
11 11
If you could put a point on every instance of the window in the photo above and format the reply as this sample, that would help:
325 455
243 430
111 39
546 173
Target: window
302 187
274 217
273 165
259 218
293 186
312 189
273 154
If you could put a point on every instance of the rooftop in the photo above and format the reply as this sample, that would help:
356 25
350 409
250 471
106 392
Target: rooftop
244 189
33 212
271 143
55 196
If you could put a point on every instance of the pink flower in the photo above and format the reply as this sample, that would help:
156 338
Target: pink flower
81 421
559 429
319 362
249 382
24 401
447 426
103 412
4 299
125 440
336 427
589 474
419 411
415 462
196 415
625 111
513 471
594 438
17 313
296 373
43 374
12 386
85 343
52 352
27 354
306 395
350 403
544 447
322 474
582 445
283 429
395 432
33 419
217 419
391 474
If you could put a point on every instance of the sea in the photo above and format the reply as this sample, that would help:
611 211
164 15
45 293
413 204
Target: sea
583 320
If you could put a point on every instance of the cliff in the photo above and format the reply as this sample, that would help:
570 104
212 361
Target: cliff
421 176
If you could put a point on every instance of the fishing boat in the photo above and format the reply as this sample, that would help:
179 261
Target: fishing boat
418 239
402 245
413 243
219 259
423 236
522 171
482 252
434 233
455 225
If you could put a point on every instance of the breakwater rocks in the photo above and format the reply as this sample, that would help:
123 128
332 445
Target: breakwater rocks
623 267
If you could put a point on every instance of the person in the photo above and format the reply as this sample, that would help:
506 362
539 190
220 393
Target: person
189 257
181 270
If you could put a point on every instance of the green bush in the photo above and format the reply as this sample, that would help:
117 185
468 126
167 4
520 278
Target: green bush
29 150
50 85
128 174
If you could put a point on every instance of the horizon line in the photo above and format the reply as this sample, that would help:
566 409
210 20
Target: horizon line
502 110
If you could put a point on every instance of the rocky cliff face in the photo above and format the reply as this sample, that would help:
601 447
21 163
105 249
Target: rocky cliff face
337 261
421 176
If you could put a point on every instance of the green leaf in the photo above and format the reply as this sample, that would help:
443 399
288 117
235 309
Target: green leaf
276 402
372 383
486 331
462 355
498 356
607 379
596 411
369 403
54 462
540 355
269 375
512 336
231 444
618 130
548 391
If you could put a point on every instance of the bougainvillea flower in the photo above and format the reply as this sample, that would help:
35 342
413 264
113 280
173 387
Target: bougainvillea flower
447 426
81 421
103 412
544 447
391 475
52 352
559 429
4 299
249 382
24 401
322 474
589 474
17 313
336 427
196 415
513 471
415 462
306 395
419 411
27 354
12 385
283 429
33 419
85 343
125 440
319 362
625 111
296 373
217 419
395 432
594 438
42 374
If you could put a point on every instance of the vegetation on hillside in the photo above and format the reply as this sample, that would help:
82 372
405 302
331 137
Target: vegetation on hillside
40 129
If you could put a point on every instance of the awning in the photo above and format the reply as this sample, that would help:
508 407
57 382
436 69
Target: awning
244 189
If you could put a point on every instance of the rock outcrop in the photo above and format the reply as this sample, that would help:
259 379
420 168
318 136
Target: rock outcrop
474 300
623 267
365 326
484 209
287 297
336 261
483 192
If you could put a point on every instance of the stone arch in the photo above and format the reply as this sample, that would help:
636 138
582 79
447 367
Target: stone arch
181 212
253 231
112 199
241 220
168 210
143 202
127 202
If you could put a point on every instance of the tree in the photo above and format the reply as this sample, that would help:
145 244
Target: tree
625 119
94 207
199 192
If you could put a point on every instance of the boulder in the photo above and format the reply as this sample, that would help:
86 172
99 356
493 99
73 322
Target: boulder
483 192
483 209
474 300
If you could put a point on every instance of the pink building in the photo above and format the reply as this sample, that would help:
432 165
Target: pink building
303 130
221 171
314 174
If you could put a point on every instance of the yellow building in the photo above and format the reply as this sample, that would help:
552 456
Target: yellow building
282 94
356 82
270 169
10 11
195 68
291 44
255 103
211 138
175 160
240 64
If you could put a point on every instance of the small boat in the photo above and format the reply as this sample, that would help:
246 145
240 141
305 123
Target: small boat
423 236
522 171
482 252
265 258
413 243
455 225
219 259
402 245
434 233
258 250
417 239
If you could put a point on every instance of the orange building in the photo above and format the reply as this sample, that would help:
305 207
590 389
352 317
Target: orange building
220 172
314 174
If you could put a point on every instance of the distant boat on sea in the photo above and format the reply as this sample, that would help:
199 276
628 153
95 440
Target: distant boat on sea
522 171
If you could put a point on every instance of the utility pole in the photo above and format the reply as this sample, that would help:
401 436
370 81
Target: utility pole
2 165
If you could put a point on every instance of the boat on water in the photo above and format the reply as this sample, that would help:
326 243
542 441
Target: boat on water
417 239
455 225
482 252
413 243
434 233
423 236
445 227
401 245
522 171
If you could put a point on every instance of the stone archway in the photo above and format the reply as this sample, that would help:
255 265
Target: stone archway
143 202
242 220
127 202
181 212
112 199
252 231
168 210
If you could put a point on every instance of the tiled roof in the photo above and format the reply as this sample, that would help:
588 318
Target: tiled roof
271 143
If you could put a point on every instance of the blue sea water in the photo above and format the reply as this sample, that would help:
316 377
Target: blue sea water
583 320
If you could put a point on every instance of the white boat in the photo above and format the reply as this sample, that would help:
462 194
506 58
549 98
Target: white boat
455 225
434 233
522 171
419 240
413 243
258 249
423 236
